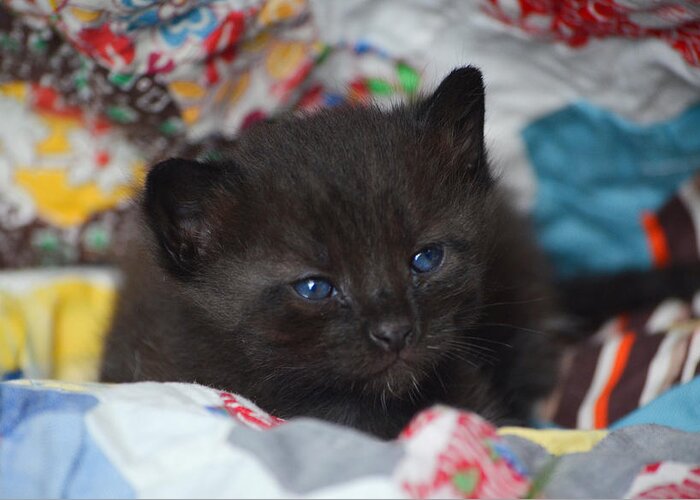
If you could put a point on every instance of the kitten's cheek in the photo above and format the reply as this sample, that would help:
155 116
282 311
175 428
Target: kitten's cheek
285 329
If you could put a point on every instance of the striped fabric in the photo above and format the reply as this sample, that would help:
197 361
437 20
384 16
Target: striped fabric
635 357
625 367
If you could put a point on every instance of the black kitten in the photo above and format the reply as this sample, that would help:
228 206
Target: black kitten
356 265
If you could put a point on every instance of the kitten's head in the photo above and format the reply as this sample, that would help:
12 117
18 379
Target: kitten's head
342 249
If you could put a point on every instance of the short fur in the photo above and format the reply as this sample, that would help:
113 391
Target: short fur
349 194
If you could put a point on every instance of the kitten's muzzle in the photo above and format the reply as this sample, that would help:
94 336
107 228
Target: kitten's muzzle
392 336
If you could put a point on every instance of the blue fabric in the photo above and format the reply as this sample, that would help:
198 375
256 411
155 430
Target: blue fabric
679 408
12 375
46 450
596 174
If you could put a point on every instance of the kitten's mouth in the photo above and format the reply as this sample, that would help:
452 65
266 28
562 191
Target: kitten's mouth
388 366
399 365
395 378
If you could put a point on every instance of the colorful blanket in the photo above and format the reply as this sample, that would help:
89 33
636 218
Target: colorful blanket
177 440
592 106
94 92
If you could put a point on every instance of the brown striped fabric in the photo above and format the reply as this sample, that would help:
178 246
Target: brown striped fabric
657 359
625 395
655 363
680 231
666 352
575 384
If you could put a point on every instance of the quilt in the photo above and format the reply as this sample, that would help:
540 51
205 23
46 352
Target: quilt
151 440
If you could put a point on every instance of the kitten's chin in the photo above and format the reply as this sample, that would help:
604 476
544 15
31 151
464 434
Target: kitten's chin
398 377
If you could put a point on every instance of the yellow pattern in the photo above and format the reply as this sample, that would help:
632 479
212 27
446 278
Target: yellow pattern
187 90
139 175
57 142
240 87
86 16
13 334
16 90
256 43
284 59
279 10
46 176
64 205
55 330
190 115
558 441
230 91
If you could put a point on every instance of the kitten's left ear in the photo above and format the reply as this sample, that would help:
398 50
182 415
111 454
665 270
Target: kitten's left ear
454 114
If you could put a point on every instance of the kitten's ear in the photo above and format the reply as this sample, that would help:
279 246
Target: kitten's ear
179 207
454 115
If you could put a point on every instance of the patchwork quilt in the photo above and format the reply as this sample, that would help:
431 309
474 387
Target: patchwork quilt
152 440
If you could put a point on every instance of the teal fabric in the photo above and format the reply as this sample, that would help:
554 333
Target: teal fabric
678 408
596 174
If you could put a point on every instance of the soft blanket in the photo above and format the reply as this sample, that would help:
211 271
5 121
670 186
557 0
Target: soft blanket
153 440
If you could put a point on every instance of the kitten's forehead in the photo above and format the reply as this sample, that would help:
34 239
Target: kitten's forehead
355 183
346 145
347 155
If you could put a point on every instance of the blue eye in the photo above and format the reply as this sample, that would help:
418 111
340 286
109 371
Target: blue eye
314 288
427 259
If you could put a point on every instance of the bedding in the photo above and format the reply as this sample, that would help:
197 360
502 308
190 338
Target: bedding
52 322
181 440
593 109
99 89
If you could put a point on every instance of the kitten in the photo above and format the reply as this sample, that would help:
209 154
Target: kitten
356 265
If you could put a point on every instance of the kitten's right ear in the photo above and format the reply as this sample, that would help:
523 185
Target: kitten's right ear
179 207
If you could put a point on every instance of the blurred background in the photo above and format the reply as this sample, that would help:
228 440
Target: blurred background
593 122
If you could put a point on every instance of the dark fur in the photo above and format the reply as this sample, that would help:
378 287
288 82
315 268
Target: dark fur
349 194
593 299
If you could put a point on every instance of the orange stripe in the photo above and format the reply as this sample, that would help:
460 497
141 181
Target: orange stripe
656 238
601 405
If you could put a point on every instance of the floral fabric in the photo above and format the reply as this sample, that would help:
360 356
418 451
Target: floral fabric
577 22
95 91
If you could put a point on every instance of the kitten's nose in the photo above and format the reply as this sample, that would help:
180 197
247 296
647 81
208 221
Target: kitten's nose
391 335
